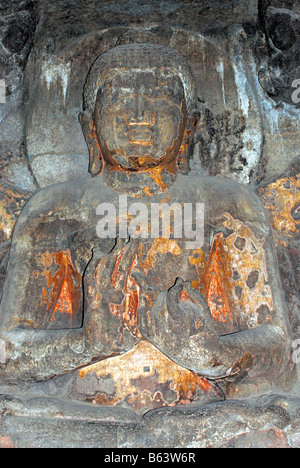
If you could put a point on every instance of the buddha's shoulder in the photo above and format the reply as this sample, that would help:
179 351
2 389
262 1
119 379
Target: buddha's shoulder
220 195
214 185
66 195
74 200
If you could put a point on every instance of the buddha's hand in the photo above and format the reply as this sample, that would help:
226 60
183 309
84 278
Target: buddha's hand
107 281
180 324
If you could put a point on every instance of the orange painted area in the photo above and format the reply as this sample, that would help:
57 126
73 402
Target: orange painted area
11 204
6 442
146 378
147 191
160 246
65 285
64 303
132 301
184 297
115 279
215 282
7 221
214 271
280 198
223 278
123 281
156 175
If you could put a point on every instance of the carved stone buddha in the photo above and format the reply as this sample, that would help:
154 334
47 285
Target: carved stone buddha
139 308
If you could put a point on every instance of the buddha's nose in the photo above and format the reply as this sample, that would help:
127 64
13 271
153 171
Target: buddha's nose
141 108
141 114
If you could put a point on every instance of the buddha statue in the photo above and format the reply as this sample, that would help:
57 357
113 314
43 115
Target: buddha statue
81 291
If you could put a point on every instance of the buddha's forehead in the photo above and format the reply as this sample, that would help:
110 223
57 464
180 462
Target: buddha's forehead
139 79
134 64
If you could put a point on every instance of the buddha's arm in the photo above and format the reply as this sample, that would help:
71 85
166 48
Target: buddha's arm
180 324
39 355
266 348
36 354
264 340
185 332
31 351
269 344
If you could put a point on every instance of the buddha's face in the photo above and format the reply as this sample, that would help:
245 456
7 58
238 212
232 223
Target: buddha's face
140 118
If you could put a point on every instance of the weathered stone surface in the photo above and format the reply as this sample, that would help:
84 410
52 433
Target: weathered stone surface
12 200
54 423
17 28
281 198
278 71
244 55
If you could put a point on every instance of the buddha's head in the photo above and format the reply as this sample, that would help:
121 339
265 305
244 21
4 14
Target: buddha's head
138 109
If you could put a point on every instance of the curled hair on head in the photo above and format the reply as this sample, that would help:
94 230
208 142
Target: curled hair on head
143 57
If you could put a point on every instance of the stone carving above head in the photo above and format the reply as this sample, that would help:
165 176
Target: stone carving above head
278 52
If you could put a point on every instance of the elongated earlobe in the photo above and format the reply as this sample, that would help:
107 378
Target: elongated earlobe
187 142
89 130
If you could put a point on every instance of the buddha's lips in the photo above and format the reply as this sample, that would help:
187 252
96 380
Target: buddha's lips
140 134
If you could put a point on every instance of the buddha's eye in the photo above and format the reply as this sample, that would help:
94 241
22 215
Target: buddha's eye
118 100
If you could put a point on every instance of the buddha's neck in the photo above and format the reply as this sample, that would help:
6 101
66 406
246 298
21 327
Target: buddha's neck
138 184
